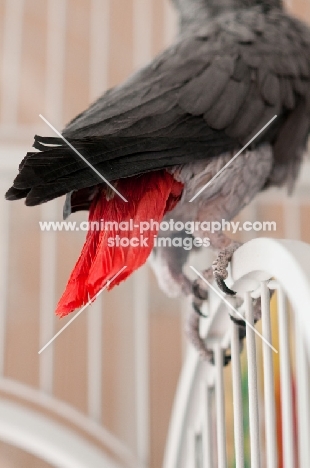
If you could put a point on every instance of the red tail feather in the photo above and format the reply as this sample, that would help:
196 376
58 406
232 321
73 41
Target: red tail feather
149 197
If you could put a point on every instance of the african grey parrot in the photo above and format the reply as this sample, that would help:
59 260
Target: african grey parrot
172 126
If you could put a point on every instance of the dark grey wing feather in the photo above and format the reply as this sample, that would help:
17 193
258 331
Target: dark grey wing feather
270 89
221 114
198 95
205 95
250 113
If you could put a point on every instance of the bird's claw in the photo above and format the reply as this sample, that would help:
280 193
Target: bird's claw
200 294
220 266
237 321
196 307
241 328
198 291
223 287
226 359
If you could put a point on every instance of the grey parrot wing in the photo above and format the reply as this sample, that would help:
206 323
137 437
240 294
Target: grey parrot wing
205 95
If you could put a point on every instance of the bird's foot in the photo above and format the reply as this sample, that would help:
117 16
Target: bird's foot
200 295
220 265
192 329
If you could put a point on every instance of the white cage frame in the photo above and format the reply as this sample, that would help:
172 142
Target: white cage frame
190 443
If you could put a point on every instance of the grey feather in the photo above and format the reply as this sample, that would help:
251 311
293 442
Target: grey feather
270 89
250 112
201 92
213 88
227 106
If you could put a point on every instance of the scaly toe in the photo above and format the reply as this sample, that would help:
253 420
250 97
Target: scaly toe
220 266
